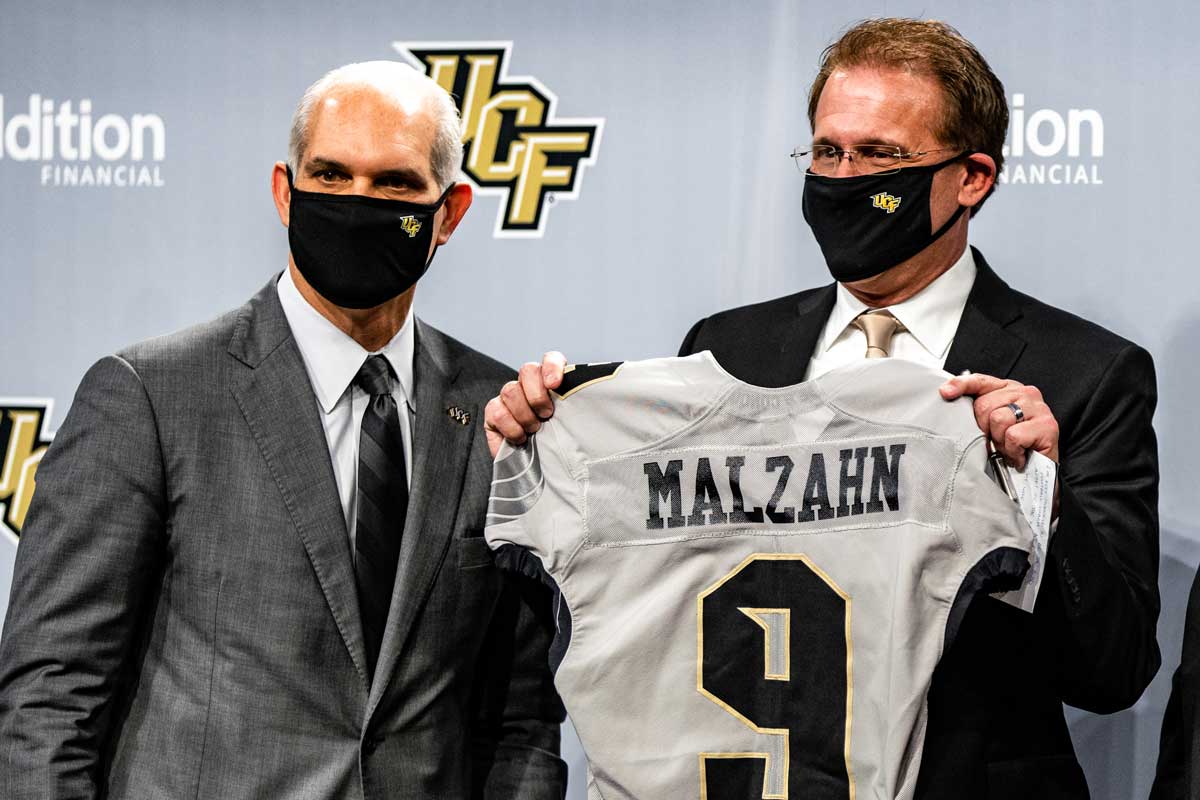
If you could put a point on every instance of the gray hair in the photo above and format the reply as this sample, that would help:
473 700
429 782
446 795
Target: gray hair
395 79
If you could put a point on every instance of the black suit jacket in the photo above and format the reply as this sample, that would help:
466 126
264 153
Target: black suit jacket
1178 776
996 724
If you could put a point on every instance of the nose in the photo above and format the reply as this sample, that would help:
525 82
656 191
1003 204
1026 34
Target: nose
363 185
845 166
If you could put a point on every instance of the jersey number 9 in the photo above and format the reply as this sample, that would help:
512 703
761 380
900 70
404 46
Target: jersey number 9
774 651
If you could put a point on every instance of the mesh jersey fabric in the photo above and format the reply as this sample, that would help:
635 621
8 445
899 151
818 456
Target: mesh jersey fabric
755 585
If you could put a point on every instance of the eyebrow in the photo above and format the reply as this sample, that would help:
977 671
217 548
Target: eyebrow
881 140
320 164
409 176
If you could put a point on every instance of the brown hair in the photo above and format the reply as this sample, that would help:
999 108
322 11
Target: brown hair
975 114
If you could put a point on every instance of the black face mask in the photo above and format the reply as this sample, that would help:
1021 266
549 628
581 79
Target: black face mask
360 252
867 224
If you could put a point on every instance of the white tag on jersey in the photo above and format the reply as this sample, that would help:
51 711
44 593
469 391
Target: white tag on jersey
1035 495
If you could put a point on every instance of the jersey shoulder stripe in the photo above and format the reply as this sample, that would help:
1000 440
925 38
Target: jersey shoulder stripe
578 376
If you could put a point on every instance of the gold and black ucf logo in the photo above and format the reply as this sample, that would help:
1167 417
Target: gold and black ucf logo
410 225
514 145
23 441
888 202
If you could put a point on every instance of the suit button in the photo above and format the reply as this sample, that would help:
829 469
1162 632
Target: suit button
371 744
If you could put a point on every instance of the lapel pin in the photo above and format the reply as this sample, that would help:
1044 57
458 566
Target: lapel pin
458 415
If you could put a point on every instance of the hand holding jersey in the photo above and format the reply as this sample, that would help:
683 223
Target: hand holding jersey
1013 415
524 403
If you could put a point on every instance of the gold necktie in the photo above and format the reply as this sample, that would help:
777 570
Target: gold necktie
880 327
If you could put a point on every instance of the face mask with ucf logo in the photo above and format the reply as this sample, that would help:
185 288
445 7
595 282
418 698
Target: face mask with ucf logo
866 224
360 252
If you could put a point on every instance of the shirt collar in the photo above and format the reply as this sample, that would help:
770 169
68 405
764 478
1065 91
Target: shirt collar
333 358
931 315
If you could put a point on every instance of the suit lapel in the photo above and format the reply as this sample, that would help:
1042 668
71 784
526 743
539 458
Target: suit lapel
801 341
982 342
440 449
280 408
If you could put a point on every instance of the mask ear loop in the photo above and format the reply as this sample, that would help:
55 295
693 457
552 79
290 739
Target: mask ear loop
940 232
437 208
958 213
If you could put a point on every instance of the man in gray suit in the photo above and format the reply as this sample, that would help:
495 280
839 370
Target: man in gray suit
228 585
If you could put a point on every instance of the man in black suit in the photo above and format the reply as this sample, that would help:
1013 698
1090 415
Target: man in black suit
908 125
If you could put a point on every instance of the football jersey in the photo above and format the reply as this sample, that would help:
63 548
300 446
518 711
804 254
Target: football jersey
754 584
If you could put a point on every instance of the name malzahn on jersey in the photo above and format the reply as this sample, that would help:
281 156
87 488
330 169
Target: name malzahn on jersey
867 481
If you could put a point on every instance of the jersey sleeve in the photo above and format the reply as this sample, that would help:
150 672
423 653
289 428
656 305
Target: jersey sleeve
535 501
992 533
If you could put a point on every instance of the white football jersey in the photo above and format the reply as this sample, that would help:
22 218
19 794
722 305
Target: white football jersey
755 585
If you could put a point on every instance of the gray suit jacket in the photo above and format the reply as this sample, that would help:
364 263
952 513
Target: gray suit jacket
183 620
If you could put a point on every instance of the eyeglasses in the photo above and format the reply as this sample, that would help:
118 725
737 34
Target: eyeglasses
865 159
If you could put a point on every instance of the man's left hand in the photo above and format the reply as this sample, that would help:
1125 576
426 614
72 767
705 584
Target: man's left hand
1036 430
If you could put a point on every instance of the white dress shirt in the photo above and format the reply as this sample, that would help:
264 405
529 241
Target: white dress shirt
930 317
332 359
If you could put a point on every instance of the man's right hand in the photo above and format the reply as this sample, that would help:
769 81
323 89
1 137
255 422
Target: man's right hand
524 404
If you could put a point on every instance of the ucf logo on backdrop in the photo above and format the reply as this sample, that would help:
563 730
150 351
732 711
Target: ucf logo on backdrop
23 442
515 145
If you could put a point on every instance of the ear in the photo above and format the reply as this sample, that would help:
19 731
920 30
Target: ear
281 193
978 179
456 205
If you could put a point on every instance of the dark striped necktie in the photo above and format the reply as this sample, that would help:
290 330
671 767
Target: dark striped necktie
382 503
